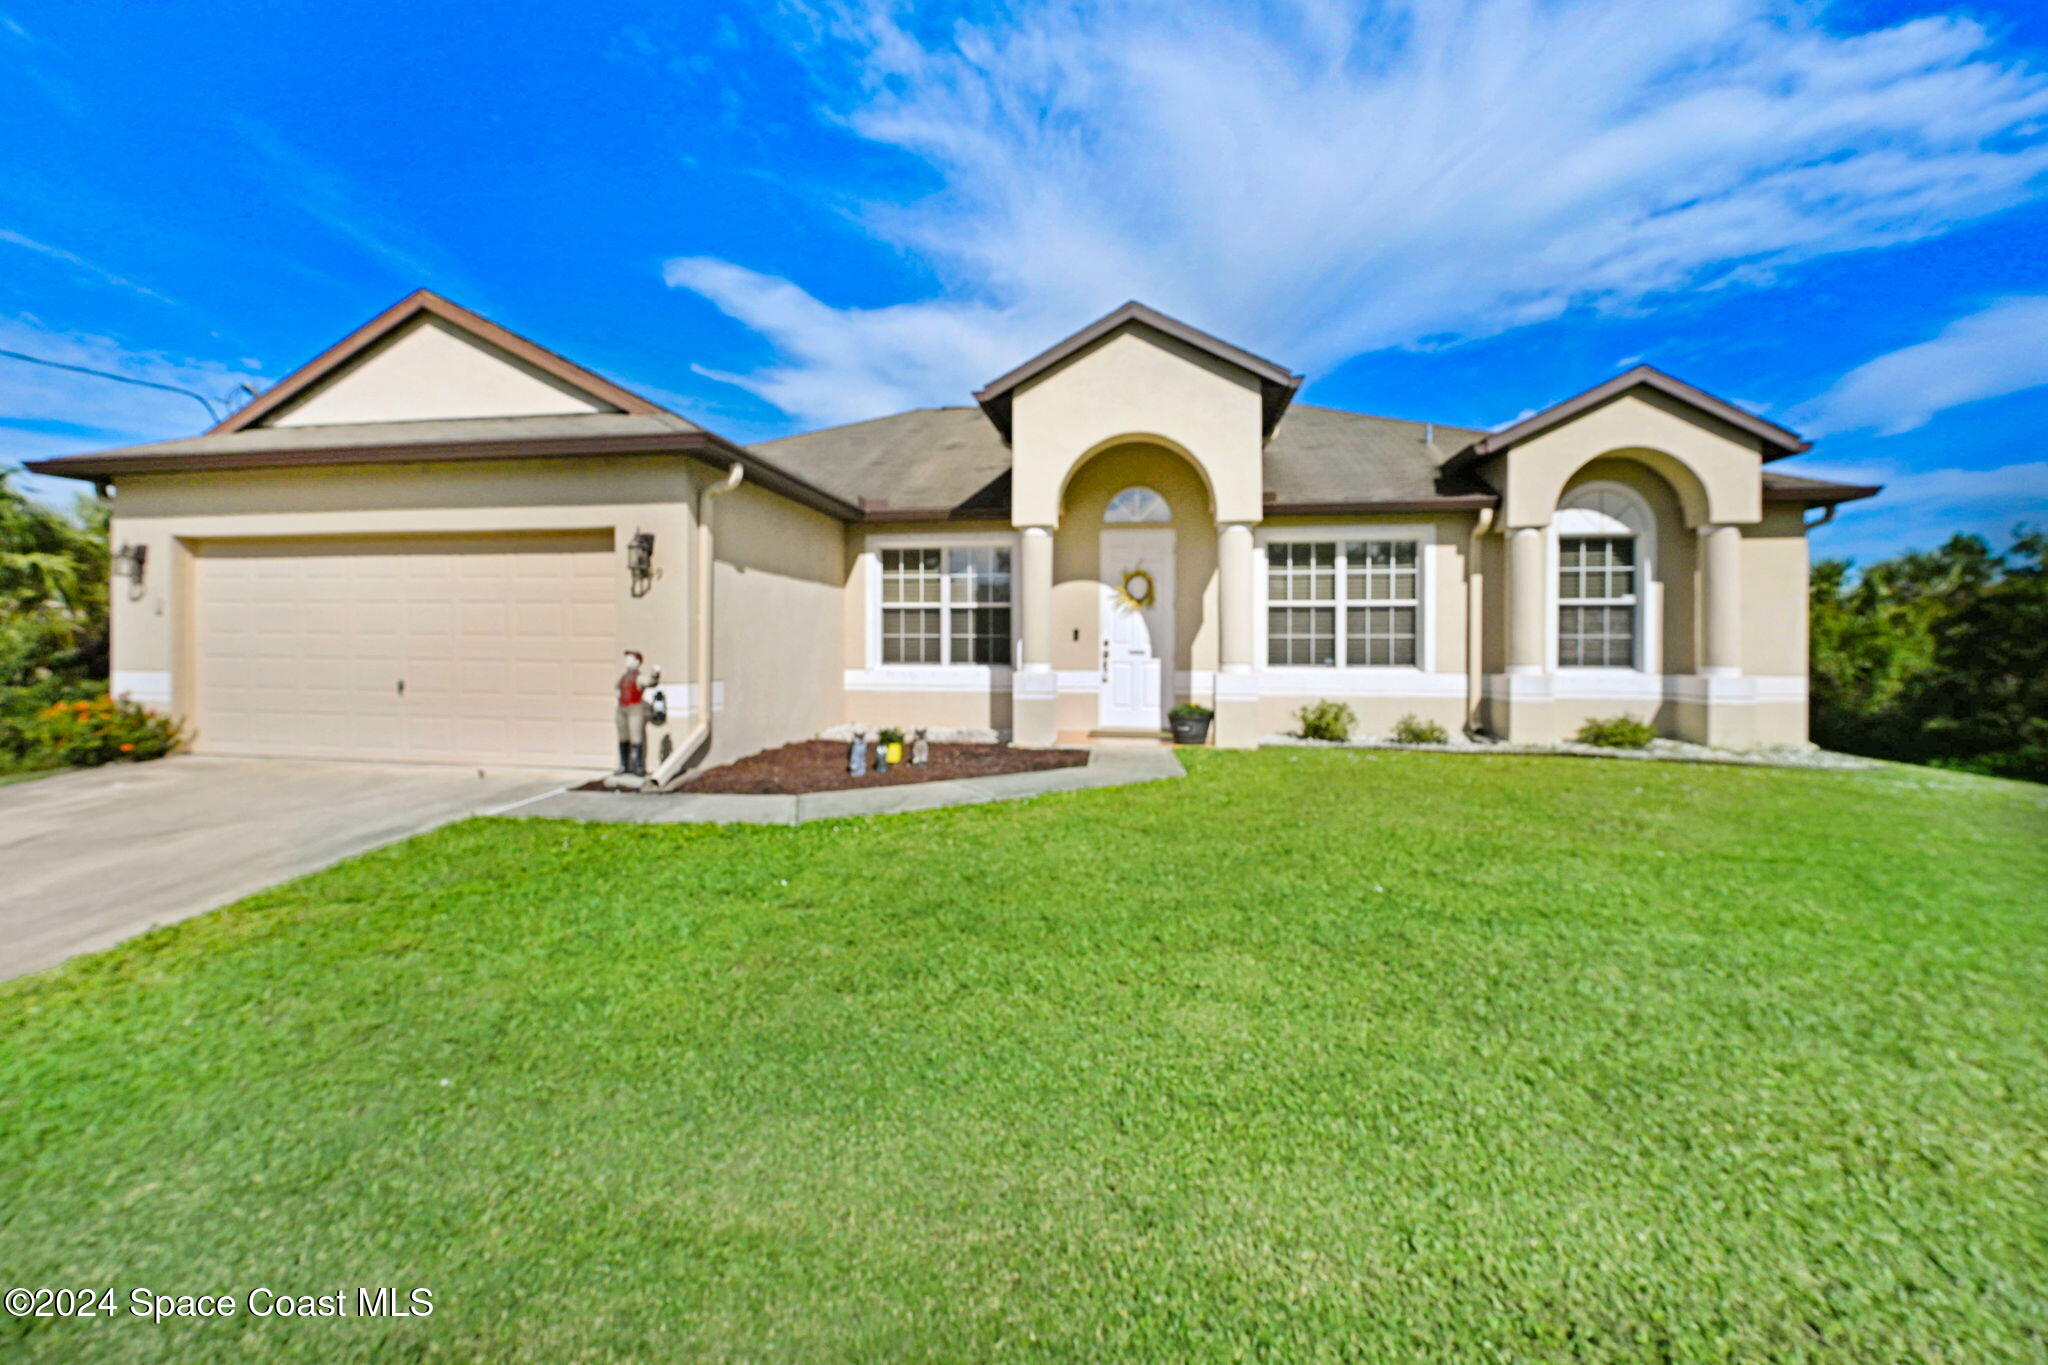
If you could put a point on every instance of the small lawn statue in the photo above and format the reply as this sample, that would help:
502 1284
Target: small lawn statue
920 749
631 717
857 756
881 756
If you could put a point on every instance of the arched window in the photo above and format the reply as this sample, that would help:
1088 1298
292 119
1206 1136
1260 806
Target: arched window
1137 504
1605 541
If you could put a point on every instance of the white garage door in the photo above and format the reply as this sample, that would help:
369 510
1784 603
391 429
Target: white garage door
460 649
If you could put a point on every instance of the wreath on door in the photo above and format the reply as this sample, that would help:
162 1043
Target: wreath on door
1137 589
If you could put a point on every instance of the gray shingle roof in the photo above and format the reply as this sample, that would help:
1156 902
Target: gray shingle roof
384 435
952 458
1326 456
926 460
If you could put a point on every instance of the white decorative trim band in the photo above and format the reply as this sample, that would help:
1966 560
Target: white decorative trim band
1354 682
151 687
1599 684
1044 684
929 678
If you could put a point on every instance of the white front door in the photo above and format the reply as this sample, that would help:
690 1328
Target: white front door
1137 638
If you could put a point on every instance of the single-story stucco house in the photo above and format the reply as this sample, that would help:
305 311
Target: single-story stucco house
433 541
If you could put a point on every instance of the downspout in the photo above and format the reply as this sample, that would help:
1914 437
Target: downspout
1475 601
700 639
1827 515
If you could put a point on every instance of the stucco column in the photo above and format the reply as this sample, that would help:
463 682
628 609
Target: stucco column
1519 704
1721 586
1237 693
1034 695
1527 592
1234 595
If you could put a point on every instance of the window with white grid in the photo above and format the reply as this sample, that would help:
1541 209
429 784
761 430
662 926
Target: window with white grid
1384 600
946 606
1597 600
1364 593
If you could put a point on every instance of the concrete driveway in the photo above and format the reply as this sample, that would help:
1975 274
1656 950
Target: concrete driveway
88 859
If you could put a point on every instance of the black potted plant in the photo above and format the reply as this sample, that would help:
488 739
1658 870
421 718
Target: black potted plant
1190 723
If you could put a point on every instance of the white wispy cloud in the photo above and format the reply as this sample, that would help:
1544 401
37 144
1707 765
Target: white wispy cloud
339 204
79 263
1921 508
1324 178
2002 349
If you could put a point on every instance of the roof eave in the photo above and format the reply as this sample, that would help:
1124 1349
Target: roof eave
704 445
1825 495
426 302
1450 502
1778 442
1277 384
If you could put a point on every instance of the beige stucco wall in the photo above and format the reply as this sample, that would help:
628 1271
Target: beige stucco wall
779 587
962 705
1775 567
1712 467
1078 573
1138 383
429 370
1377 709
177 515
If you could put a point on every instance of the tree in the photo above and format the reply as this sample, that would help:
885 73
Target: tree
1936 656
53 593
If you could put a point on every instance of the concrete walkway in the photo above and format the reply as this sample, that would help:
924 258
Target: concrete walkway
1106 767
90 858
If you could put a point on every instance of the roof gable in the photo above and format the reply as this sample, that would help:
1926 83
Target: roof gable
1775 440
1276 383
474 369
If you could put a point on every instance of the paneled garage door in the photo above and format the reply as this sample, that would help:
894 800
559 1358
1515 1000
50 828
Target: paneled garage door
459 649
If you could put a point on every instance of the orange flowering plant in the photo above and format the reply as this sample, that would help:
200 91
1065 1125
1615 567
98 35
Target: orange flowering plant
102 729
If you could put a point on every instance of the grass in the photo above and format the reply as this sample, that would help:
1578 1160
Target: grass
1315 1055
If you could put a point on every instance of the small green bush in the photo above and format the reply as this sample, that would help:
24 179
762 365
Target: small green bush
83 734
1331 720
1416 730
890 735
1617 732
1187 710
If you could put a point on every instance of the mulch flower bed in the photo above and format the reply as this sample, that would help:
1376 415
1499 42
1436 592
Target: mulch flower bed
819 765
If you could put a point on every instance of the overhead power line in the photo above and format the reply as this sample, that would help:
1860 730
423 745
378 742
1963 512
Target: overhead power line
194 394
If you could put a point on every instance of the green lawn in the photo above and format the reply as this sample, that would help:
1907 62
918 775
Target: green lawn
1314 1055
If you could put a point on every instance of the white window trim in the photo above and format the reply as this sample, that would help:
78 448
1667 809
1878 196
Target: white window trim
1306 678
942 676
1649 595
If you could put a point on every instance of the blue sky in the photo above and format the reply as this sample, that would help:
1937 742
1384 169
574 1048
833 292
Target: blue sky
784 216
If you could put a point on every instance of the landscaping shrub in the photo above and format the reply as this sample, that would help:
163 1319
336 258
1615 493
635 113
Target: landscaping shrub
81 734
1416 730
1188 710
1331 720
1617 732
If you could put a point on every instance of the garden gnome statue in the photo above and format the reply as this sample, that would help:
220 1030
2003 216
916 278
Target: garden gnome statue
881 755
920 750
632 688
857 756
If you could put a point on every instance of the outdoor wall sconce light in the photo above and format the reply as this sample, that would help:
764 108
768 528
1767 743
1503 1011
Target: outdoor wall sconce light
128 562
640 561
